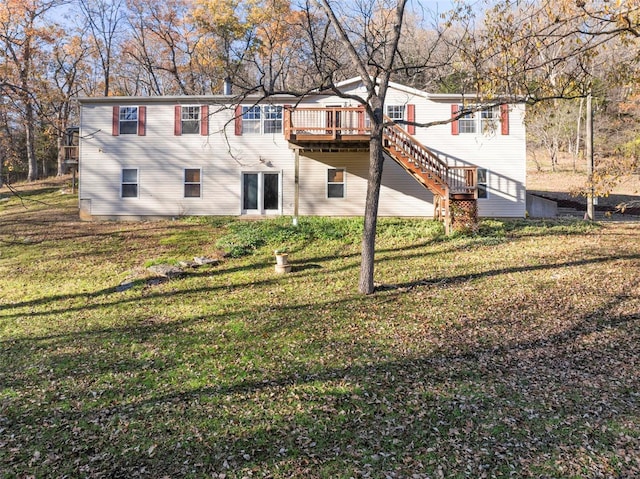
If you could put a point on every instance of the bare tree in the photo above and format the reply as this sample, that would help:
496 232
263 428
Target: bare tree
24 34
103 18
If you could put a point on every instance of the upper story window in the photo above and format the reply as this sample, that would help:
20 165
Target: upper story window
256 120
190 118
489 119
485 121
272 119
403 113
467 123
395 112
251 116
128 120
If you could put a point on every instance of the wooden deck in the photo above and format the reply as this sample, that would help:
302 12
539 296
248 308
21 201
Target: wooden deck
326 125
344 128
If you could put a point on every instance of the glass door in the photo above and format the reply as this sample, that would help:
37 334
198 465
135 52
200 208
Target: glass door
261 193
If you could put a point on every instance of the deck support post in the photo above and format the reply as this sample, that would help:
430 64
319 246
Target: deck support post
296 190
447 214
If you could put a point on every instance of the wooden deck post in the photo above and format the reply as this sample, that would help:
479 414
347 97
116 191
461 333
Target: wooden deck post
447 213
296 190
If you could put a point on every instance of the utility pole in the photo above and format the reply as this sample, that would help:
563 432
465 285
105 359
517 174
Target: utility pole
589 144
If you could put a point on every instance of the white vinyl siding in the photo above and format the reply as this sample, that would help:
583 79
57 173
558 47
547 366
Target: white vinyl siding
161 159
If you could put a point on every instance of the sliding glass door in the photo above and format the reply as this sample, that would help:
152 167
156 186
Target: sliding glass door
261 193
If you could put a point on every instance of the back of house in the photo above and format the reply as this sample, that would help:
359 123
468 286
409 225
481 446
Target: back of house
150 157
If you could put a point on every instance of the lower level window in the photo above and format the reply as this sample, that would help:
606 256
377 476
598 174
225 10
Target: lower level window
192 183
336 183
483 181
129 184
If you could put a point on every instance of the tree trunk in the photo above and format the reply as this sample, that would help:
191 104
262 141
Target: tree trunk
30 141
61 140
62 167
376 160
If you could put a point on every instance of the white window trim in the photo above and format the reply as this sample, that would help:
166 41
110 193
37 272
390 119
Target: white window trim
261 121
120 120
122 183
182 119
486 183
482 125
343 183
185 183
397 105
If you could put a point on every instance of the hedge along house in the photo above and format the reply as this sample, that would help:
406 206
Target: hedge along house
149 157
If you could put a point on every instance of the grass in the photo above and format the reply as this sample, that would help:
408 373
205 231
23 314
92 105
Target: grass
511 353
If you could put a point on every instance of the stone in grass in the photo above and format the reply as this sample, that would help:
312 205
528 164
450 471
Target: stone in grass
188 264
203 260
166 270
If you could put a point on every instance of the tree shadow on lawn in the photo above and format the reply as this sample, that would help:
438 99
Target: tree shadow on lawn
562 405
307 265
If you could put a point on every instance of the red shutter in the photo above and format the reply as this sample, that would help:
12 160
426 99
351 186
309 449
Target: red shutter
504 119
286 120
142 120
177 120
411 117
115 121
238 120
454 124
204 120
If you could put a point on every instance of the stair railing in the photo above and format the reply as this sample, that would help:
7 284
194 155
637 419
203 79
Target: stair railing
417 153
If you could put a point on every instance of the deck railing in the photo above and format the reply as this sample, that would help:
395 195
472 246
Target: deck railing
463 180
71 153
325 124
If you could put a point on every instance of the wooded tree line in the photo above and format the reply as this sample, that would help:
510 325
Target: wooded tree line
55 50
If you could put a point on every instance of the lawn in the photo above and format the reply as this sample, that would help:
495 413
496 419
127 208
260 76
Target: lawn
509 353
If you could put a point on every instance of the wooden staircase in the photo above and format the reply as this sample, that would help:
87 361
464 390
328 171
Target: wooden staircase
454 188
447 183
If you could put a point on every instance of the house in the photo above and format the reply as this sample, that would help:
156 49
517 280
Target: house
207 155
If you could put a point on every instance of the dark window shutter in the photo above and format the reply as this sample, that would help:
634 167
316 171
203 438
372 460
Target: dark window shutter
454 124
115 121
204 120
504 119
177 120
411 116
238 120
142 120
286 120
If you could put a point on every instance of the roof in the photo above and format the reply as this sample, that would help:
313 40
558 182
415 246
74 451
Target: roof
185 99
253 98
